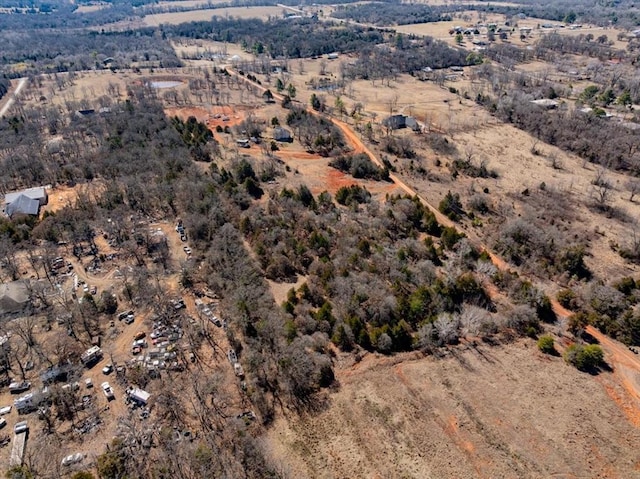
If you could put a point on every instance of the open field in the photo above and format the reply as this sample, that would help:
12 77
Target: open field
188 3
481 412
199 15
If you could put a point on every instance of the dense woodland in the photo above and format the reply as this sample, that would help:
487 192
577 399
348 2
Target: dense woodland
4 86
294 38
386 14
60 52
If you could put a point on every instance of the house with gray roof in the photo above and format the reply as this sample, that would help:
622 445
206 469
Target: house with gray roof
26 202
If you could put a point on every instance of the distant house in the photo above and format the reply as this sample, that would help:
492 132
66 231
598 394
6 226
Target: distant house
282 134
14 297
38 193
395 122
547 103
23 205
26 202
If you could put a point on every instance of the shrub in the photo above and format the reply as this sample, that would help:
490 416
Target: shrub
450 237
567 298
546 345
585 358
348 195
451 206
360 166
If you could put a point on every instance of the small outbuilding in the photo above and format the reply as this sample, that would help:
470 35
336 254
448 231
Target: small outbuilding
282 134
139 396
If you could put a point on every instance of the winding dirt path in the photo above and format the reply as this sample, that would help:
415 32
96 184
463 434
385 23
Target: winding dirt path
12 96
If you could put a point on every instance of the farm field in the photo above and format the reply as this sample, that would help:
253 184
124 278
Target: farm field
199 15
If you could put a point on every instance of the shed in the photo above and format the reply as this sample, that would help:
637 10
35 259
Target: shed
282 134
138 395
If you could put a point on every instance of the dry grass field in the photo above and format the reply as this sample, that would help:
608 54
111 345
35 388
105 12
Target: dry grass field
199 15
481 412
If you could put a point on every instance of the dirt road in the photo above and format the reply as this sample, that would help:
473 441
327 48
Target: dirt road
16 93
625 364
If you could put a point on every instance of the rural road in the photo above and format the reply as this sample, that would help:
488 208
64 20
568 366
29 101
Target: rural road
21 84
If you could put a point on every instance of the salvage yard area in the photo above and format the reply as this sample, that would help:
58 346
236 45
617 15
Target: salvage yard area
88 378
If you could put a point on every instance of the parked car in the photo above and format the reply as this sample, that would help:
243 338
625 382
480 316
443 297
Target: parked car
72 459
139 335
129 319
88 383
108 390
108 369
3 422
5 410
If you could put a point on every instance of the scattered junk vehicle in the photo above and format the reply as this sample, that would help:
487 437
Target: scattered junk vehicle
237 368
21 427
233 358
124 314
19 386
72 459
108 391
31 401
20 430
91 356
138 396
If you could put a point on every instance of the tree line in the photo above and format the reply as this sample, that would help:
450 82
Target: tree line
47 52
294 38
395 13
